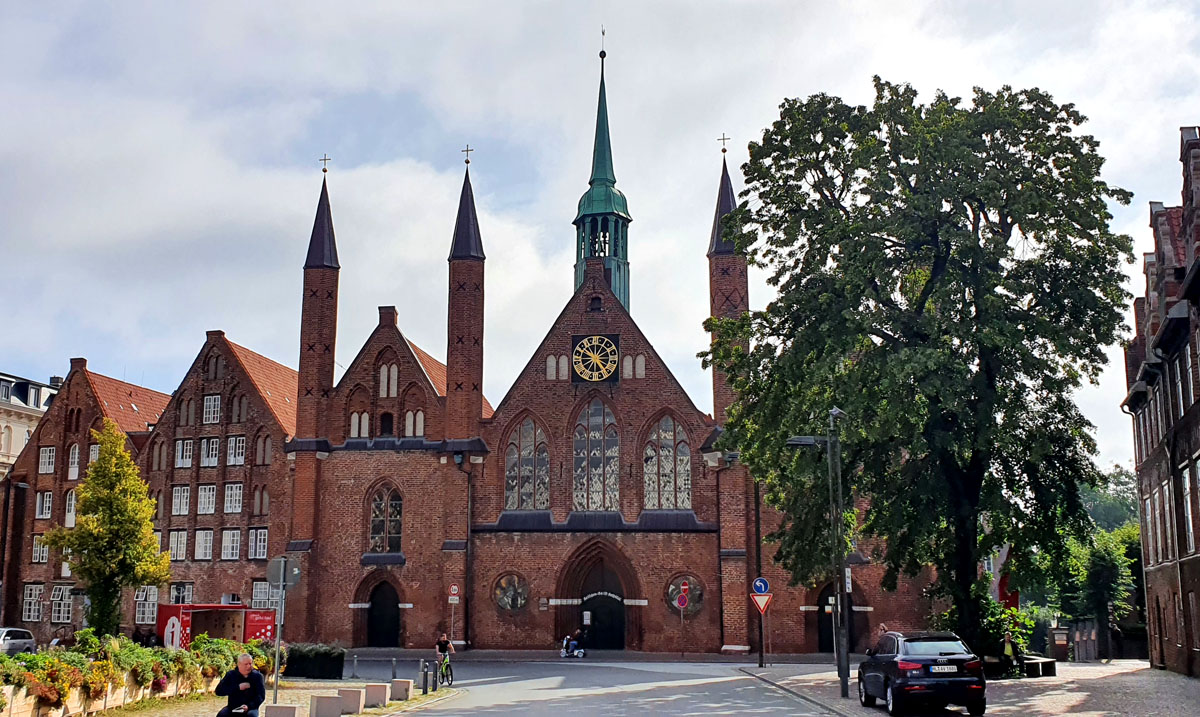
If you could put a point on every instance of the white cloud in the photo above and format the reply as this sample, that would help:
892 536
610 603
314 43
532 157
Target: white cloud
160 177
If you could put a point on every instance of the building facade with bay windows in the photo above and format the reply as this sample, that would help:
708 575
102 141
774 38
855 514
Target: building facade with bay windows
583 499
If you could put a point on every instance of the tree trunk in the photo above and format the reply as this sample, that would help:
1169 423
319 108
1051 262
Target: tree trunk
963 576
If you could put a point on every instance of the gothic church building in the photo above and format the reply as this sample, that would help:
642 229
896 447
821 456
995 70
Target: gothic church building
584 499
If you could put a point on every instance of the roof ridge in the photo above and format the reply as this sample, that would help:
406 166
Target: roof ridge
289 426
123 382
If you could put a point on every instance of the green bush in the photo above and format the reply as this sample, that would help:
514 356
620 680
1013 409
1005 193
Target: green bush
315 660
995 620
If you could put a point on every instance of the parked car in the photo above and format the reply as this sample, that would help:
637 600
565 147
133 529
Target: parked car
932 669
14 640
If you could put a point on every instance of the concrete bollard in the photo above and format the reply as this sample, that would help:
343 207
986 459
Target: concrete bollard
354 669
402 689
352 700
281 711
393 668
376 694
325 706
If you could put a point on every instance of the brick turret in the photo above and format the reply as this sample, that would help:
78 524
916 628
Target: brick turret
728 290
464 325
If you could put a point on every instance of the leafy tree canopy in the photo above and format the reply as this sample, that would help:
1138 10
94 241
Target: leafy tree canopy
946 274
1113 502
112 545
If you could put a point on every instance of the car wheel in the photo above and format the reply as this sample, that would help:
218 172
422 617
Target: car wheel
977 707
863 698
893 702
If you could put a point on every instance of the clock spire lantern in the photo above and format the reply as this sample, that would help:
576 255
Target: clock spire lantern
602 222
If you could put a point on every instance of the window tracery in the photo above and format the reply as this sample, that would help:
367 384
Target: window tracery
596 479
386 521
667 467
527 469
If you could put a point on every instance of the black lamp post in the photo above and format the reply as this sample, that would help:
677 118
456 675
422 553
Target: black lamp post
838 556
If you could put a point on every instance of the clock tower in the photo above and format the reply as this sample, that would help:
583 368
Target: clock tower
602 222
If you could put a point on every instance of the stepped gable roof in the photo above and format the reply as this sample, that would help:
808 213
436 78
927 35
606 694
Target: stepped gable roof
277 384
436 372
132 407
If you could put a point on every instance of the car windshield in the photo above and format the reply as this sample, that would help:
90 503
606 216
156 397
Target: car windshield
934 648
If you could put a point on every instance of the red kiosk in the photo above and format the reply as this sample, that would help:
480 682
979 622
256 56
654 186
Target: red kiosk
177 623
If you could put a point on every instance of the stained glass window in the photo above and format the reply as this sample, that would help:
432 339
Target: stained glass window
527 469
387 508
667 467
511 592
597 470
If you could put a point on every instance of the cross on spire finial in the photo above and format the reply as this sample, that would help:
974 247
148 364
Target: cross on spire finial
467 152
603 54
723 139
325 160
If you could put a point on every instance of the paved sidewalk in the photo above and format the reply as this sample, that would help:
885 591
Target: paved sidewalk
292 692
1120 689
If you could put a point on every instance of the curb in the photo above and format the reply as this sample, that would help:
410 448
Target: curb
423 705
798 695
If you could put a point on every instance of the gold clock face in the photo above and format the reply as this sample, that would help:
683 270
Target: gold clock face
594 358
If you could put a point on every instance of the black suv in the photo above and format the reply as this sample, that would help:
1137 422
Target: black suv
930 668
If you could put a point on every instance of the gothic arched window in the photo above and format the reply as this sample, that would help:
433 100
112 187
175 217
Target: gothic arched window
527 469
667 466
596 484
387 508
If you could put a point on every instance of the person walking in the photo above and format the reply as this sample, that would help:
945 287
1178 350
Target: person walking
244 687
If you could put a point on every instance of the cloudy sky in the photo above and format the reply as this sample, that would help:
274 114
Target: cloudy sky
159 172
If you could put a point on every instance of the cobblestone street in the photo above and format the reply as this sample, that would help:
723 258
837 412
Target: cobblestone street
1125 687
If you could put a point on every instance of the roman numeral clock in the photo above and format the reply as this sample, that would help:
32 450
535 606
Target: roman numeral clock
594 358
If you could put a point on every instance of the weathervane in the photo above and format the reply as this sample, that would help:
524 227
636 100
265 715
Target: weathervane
325 160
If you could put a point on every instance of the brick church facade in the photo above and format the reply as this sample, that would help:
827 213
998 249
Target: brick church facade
583 499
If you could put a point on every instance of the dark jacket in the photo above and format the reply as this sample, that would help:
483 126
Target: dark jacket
252 698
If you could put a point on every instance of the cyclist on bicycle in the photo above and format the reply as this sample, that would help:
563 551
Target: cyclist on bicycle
443 647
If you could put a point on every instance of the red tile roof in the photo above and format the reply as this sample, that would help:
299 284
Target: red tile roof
436 371
133 407
276 382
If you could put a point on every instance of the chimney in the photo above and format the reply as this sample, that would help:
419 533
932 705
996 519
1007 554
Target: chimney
387 316
79 363
56 381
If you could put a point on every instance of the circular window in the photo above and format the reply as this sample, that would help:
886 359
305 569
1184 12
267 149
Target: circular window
511 592
695 594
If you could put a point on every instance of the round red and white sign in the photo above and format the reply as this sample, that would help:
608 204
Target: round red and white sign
683 587
453 588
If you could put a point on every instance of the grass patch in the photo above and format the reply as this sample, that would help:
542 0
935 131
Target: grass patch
152 703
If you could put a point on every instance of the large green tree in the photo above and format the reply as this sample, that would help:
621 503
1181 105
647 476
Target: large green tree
946 275
112 545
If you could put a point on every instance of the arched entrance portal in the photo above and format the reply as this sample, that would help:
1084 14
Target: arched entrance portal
857 621
595 587
603 609
383 617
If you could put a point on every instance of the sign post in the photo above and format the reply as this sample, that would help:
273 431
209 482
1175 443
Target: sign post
762 601
283 575
761 587
681 601
453 600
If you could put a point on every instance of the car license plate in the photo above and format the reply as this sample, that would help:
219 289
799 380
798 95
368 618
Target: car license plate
943 668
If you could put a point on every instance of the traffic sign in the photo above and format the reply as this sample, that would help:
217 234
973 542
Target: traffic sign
684 587
453 599
454 589
761 586
761 601
681 601
288 570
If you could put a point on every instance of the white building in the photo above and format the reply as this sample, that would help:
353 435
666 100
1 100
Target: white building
22 403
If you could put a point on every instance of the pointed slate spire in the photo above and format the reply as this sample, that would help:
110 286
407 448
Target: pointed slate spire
322 248
725 204
467 243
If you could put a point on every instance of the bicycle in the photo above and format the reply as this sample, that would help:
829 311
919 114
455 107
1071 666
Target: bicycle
446 672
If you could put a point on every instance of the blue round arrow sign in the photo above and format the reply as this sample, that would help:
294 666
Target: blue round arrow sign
761 586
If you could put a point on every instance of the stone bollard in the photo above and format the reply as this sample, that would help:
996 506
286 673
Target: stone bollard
393 668
354 669
402 689
325 706
281 711
352 700
376 694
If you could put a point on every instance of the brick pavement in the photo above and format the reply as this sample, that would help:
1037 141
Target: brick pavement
1124 688
292 692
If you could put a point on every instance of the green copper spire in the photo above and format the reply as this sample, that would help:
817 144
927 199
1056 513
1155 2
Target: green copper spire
602 221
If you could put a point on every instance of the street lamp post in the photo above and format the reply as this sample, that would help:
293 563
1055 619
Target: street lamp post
837 511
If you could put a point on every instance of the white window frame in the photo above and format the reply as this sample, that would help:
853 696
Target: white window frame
1189 394
1158 528
231 544
181 499
1169 517
206 499
31 608
146 605
264 596
233 498
45 505
212 409
186 591
45 460
69 510
183 453
1189 530
256 544
1148 529
178 547
61 604
1179 382
210 452
93 453
73 462
41 551
236 453
204 544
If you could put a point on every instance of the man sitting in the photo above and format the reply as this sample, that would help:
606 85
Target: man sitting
245 688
